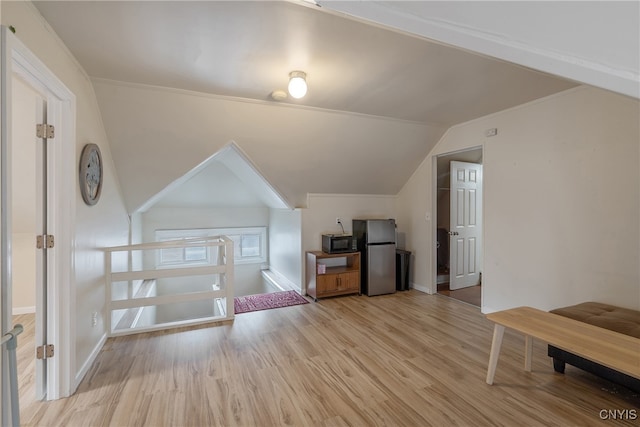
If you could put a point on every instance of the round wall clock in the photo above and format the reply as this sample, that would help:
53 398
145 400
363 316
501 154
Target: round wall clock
91 174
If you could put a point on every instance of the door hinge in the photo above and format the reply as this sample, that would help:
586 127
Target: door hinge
46 239
45 131
44 351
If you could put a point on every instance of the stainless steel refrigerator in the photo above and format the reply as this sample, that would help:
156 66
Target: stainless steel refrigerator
377 245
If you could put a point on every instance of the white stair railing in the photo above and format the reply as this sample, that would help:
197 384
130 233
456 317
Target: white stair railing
191 294
10 341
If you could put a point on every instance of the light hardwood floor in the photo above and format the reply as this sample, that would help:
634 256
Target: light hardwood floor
406 359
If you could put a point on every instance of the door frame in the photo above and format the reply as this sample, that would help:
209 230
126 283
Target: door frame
18 60
434 217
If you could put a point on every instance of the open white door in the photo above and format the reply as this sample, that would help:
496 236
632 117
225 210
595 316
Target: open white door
29 210
466 225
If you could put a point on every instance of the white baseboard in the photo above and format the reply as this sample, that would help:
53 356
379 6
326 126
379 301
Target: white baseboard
280 280
23 310
87 364
271 277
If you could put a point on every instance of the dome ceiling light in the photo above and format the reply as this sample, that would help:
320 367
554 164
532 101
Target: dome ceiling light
297 84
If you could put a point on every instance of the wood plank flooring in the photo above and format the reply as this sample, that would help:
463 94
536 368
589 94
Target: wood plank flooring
406 359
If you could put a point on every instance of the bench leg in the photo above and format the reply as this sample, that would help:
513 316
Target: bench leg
558 365
528 352
496 343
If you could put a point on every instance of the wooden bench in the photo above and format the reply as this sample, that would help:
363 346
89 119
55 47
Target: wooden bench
608 348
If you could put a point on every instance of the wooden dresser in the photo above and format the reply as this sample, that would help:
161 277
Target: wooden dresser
330 275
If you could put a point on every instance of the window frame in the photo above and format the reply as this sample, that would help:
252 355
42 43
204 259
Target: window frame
235 233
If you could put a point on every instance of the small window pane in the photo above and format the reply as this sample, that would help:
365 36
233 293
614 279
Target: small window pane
250 245
195 254
171 256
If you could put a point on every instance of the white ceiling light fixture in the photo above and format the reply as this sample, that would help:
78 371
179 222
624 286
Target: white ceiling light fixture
297 84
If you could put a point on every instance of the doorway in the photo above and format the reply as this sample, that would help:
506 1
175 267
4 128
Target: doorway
58 312
28 269
444 233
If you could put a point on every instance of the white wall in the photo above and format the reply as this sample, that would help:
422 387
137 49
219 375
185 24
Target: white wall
594 42
135 237
561 202
24 273
323 209
187 218
105 224
413 206
285 245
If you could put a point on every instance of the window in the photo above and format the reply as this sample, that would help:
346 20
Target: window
176 257
249 244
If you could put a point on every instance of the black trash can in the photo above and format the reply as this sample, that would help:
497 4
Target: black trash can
402 269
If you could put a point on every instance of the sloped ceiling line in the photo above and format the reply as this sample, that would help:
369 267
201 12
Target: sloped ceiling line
248 172
238 163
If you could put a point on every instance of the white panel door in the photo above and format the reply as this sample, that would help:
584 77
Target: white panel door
29 206
465 230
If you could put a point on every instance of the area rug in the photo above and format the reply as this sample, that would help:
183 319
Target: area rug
267 301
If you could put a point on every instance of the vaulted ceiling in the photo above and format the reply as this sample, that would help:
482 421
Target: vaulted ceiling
177 81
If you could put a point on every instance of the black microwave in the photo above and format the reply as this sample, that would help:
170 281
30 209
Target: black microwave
339 243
